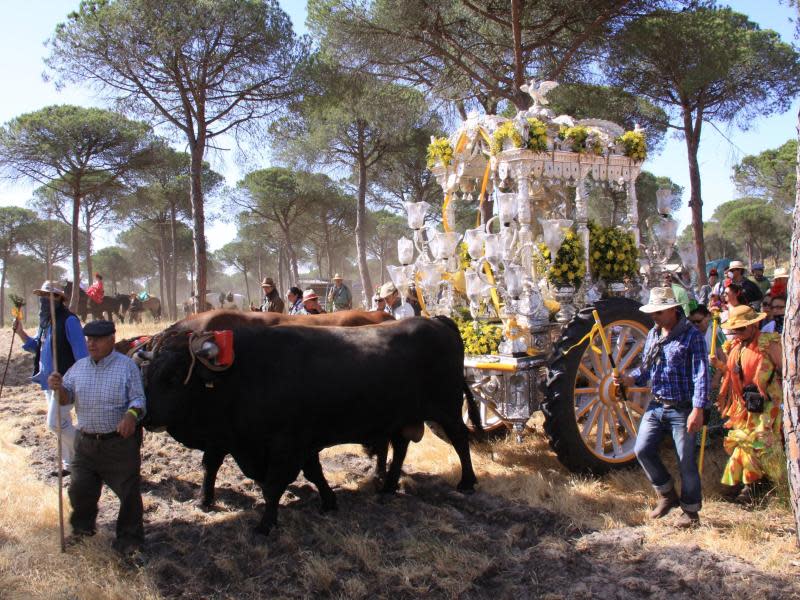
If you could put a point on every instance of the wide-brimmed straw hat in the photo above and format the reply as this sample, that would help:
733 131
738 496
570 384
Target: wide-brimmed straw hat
49 287
780 273
387 289
736 264
661 298
337 276
742 316
268 281
310 295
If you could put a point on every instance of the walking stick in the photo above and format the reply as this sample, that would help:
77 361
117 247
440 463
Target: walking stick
614 370
16 312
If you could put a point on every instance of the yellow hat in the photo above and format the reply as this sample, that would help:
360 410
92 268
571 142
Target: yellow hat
742 316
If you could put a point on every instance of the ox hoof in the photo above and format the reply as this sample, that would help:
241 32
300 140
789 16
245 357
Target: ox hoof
206 506
328 507
466 489
389 489
261 532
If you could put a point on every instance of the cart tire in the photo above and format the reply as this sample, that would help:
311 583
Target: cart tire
588 428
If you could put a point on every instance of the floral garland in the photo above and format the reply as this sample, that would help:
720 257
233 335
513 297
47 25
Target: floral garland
568 268
612 253
506 131
581 139
439 150
537 135
485 340
634 145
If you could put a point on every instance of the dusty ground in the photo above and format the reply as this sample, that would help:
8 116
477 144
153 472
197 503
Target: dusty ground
532 531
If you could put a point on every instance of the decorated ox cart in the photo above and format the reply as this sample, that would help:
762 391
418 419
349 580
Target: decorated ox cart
558 283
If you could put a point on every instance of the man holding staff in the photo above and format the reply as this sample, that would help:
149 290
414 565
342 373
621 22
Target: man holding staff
70 346
106 388
675 361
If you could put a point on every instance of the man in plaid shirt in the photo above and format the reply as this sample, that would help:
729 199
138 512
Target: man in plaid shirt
675 361
106 388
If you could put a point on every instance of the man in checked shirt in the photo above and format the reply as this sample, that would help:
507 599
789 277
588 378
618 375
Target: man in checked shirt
675 361
106 387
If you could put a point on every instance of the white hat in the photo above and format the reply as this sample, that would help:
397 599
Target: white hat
49 287
737 264
661 298
673 267
780 273
387 289
309 294
337 276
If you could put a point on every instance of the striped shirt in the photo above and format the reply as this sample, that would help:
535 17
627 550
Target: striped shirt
680 373
103 391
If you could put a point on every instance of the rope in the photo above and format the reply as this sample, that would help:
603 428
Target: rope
196 341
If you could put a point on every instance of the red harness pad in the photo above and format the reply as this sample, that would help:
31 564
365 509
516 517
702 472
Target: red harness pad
224 341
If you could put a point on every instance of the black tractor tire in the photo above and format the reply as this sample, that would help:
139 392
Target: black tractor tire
561 424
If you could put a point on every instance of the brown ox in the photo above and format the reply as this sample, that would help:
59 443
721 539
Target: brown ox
221 319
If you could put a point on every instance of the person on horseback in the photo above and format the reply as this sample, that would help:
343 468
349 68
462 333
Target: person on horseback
96 291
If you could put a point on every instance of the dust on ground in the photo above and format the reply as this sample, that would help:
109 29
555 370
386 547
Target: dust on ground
428 540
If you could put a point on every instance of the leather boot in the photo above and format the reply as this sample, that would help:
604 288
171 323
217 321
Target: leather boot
688 519
730 492
666 502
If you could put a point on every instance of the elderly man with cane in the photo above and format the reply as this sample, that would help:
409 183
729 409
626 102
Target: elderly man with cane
106 388
70 346
675 360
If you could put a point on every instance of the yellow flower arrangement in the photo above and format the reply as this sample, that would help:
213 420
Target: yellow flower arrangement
439 150
537 135
506 131
612 253
568 268
485 340
634 145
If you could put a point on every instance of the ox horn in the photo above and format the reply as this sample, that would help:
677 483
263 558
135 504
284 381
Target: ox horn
143 355
208 350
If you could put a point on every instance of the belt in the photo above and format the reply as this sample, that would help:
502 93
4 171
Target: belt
669 403
100 436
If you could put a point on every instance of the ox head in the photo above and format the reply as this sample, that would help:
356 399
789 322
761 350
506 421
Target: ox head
178 383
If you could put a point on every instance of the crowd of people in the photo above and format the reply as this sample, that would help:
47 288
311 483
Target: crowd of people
689 360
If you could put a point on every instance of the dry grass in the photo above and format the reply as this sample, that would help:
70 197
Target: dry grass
31 564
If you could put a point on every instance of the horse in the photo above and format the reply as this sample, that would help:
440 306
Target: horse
138 306
111 305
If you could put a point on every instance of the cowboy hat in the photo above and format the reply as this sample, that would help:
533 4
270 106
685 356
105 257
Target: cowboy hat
268 281
780 273
661 298
387 289
337 276
742 316
736 264
49 287
309 294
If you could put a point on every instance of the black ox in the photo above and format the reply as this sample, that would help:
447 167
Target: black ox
293 391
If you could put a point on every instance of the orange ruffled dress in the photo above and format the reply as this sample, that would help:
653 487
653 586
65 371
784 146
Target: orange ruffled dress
754 439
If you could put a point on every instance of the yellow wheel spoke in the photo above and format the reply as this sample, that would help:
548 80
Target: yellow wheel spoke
601 431
587 373
579 414
613 429
637 390
632 353
583 391
587 426
623 418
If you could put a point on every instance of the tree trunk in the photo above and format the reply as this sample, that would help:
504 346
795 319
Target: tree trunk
791 358
6 253
197 149
692 135
163 269
87 217
246 285
521 99
173 270
294 273
361 223
76 258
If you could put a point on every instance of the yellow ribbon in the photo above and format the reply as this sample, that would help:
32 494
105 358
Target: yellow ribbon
420 299
16 312
490 276
589 337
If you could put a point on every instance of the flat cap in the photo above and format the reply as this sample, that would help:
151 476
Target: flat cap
99 328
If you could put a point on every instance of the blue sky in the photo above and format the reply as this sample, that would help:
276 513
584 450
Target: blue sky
28 24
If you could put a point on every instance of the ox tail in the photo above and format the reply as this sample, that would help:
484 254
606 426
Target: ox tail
473 412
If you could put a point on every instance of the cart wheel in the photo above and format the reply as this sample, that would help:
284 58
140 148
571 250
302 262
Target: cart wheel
589 427
493 426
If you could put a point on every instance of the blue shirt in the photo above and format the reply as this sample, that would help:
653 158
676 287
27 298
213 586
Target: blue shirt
680 373
103 391
76 341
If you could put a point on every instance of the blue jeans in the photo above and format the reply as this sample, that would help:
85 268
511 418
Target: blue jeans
658 421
